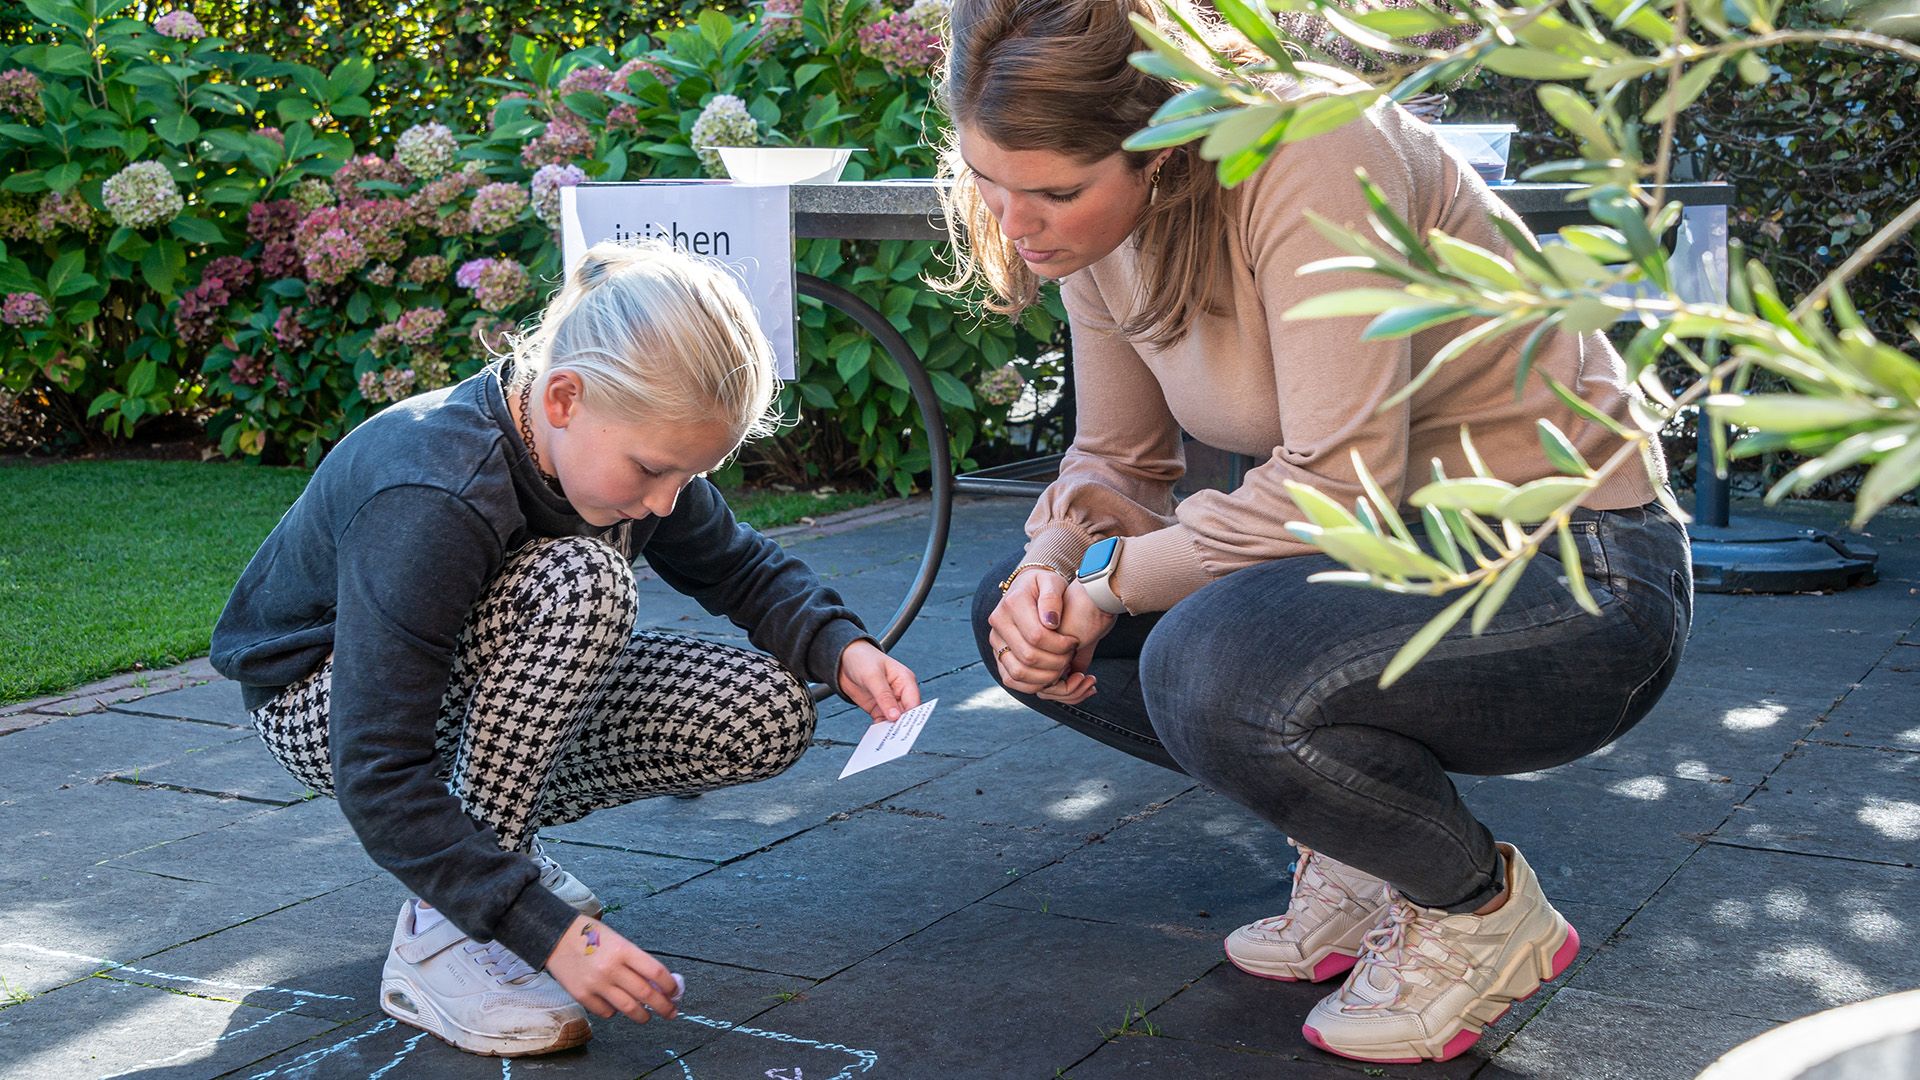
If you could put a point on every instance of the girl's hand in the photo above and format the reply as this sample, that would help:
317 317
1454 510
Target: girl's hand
879 684
608 974
1030 646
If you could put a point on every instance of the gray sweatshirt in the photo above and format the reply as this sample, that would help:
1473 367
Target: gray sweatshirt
379 562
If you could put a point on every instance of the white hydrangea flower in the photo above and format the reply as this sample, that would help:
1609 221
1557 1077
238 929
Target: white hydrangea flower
724 122
142 194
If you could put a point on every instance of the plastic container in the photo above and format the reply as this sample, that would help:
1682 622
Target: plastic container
1483 146
784 164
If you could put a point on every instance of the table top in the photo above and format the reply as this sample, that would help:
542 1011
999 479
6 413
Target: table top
910 209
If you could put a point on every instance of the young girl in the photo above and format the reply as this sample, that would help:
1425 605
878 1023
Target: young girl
440 634
1190 635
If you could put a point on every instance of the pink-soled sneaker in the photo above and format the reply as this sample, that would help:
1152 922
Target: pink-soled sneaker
1332 908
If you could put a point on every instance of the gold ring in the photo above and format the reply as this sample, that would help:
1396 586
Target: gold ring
1000 654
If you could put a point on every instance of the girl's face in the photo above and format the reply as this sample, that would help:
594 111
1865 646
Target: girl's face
614 469
1062 214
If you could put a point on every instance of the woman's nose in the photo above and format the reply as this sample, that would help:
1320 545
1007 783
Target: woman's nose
1017 218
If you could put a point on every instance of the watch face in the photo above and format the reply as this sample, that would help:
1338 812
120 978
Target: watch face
1098 557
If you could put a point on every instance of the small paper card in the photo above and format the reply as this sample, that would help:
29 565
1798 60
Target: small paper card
889 740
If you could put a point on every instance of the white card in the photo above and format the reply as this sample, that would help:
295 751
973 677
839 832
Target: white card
889 740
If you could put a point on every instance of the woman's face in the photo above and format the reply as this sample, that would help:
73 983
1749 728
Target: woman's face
614 469
1062 214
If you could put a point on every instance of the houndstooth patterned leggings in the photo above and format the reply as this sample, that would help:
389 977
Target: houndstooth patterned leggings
556 708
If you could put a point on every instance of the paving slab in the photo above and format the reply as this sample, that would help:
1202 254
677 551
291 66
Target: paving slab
1059 781
60 927
975 717
837 894
216 702
378 1046
1781 935
1856 802
1711 734
301 850
242 768
1201 863
726 824
985 992
91 822
1579 1035
1884 710
1601 839
77 749
1161 1056
107 1027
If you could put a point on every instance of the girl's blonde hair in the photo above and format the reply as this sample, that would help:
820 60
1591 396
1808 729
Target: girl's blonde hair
656 334
1053 75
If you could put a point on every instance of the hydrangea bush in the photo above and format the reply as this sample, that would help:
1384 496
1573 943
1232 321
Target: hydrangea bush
225 249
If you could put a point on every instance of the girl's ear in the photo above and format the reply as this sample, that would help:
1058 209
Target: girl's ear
561 398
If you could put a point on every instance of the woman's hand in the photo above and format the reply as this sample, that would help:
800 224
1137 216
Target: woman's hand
1029 643
1084 622
608 974
876 682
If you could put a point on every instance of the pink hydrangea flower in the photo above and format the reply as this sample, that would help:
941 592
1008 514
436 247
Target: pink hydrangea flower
281 259
546 185
289 331
20 95
333 255
57 211
273 133
497 284
246 370
496 207
381 274
347 178
907 43
25 309
563 141
623 75
427 269
591 79
181 25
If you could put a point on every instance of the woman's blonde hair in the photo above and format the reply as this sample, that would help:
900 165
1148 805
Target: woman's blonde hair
1053 75
654 333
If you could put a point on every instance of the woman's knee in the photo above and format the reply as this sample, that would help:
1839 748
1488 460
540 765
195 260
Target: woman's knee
1208 689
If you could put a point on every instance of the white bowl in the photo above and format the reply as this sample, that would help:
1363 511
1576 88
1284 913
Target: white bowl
784 164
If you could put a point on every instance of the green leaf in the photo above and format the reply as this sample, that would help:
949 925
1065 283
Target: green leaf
1367 551
63 176
1560 451
1603 244
1319 508
1350 302
1482 495
1193 102
1173 133
1423 640
1690 87
1407 321
1576 577
951 390
196 230
1790 413
1584 408
66 60
61 14
1542 498
64 267
1577 115
1895 475
350 78
1403 22
1496 595
1522 63
1474 262
141 381
1241 130
1326 114
1253 23
1172 59
1441 537
1588 313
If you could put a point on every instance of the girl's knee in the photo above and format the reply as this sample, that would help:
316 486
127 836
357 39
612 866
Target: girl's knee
774 729
575 578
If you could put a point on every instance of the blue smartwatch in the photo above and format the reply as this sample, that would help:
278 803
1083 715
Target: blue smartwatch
1096 575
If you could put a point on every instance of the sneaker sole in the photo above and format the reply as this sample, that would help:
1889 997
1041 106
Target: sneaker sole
571 1034
1469 1033
1323 969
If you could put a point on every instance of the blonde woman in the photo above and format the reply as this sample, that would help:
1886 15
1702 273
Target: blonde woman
1189 635
440 634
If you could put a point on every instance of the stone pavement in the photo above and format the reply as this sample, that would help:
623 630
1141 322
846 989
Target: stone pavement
1011 900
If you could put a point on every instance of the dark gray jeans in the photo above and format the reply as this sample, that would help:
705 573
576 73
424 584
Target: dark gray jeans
1264 688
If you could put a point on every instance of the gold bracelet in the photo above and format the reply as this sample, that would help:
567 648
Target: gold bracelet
1018 570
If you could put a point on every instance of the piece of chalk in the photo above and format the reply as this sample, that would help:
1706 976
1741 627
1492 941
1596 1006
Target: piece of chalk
679 987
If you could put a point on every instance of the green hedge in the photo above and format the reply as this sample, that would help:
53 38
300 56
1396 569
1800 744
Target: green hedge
191 227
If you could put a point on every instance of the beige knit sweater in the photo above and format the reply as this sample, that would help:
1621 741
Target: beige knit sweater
1299 396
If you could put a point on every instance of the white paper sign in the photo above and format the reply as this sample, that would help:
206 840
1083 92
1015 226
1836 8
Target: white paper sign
889 740
747 226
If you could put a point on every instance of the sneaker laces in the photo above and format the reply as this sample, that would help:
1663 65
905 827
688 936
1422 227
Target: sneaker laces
1407 943
500 962
550 871
1309 889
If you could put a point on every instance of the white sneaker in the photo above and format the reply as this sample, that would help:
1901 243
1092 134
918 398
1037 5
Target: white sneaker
1429 983
1332 908
481 998
565 885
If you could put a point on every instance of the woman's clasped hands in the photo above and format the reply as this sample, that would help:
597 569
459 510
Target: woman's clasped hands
1043 633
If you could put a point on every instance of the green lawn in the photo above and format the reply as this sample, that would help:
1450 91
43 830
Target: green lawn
109 565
